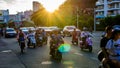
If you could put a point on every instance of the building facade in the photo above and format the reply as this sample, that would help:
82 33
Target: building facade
36 6
4 16
106 8
27 15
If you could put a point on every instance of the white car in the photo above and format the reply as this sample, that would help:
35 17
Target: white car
10 32
67 30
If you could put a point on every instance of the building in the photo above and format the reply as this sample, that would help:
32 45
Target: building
27 15
4 16
36 6
106 8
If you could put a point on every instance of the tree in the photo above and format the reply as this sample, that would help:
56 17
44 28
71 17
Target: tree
65 15
27 24
110 21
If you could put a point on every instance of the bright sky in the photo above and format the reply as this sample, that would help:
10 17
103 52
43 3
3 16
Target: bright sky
15 6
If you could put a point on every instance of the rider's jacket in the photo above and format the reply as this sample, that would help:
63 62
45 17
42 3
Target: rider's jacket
56 39
30 34
113 48
83 34
74 35
89 41
21 36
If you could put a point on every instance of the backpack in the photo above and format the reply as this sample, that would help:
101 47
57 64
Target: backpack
21 37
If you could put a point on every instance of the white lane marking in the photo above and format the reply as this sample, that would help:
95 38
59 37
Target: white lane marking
6 51
68 62
79 54
46 62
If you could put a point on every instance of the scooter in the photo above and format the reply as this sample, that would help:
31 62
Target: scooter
84 44
54 52
22 44
75 40
108 64
31 40
40 40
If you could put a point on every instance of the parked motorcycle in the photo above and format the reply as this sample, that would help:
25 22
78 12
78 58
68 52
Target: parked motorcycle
31 40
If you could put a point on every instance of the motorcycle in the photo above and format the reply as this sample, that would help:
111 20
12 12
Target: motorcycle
54 52
109 64
31 40
75 41
86 43
40 40
45 39
22 44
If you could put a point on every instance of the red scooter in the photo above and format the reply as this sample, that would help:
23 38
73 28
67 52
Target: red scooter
75 40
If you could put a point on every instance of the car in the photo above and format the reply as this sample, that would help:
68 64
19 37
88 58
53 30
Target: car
53 28
25 30
31 28
10 32
67 30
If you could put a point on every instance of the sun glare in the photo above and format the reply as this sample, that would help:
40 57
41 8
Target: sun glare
51 6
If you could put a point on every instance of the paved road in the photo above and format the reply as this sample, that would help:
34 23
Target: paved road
39 57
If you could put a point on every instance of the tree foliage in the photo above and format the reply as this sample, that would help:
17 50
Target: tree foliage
110 21
65 15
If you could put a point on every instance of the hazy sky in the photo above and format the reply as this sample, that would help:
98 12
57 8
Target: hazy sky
15 6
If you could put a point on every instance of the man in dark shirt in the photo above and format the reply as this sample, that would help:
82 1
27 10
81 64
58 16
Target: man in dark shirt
104 41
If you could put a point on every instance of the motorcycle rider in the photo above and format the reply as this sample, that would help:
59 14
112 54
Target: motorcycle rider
113 49
31 33
37 36
21 38
44 36
83 36
56 39
75 36
103 42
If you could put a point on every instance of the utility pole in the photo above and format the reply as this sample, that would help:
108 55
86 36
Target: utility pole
77 17
94 20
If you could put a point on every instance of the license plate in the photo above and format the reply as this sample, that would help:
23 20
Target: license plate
11 34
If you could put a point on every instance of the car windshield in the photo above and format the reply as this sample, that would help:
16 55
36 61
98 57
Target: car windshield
70 28
23 28
9 30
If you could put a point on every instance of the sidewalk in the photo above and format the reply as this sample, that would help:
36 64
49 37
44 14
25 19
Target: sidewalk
8 59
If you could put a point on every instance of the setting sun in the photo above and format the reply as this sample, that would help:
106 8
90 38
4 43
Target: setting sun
51 6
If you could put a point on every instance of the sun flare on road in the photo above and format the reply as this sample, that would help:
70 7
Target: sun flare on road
52 5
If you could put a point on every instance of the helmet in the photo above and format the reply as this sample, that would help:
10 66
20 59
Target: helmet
116 30
30 30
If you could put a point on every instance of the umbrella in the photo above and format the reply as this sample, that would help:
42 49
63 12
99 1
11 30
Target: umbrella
63 48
